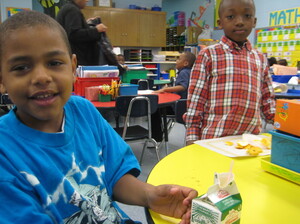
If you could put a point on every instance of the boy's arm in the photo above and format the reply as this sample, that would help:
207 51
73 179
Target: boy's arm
170 200
197 96
171 89
268 98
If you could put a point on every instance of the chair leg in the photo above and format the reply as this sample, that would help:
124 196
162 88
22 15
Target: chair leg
142 155
170 124
145 146
156 147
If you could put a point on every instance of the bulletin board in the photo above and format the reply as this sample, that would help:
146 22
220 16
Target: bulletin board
281 42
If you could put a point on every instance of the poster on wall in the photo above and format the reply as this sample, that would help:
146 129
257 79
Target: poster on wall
217 5
13 10
285 17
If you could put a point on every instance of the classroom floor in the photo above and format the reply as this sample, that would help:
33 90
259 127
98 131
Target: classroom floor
176 141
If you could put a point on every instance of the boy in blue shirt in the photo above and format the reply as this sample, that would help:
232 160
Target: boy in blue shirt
60 161
184 66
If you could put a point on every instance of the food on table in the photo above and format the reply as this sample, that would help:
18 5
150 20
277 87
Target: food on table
254 150
229 143
253 144
241 144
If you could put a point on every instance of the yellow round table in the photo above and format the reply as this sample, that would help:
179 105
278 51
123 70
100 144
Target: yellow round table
267 198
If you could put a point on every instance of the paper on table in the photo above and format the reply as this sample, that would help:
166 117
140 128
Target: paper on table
148 91
219 145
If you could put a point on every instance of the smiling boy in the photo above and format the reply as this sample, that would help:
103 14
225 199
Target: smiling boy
60 161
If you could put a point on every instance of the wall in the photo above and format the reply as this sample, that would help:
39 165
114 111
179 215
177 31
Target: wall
35 5
143 3
263 9
13 3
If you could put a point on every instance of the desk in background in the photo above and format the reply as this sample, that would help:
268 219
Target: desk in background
161 82
267 199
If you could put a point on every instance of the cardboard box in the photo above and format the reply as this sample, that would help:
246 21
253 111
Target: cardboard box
285 150
221 204
287 116
92 92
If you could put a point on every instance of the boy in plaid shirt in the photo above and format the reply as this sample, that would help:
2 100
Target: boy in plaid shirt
230 88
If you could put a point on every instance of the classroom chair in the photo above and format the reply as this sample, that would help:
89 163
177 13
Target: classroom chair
133 107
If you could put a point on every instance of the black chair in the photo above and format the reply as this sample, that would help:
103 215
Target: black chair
179 110
137 106
5 103
144 84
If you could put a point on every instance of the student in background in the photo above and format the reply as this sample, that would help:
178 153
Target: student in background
184 66
282 62
272 61
122 67
83 38
61 162
121 59
230 89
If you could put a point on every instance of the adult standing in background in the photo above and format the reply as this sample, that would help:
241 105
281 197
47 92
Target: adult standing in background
82 37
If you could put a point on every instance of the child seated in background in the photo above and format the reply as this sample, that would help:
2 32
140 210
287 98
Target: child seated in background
122 67
282 62
184 66
61 162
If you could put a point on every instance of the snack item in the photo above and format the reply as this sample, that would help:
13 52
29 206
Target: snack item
241 144
254 144
254 150
229 143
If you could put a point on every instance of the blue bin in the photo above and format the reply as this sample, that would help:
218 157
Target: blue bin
128 89
283 78
285 150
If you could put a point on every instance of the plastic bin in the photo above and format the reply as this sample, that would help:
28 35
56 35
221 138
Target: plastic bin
97 71
285 150
134 74
165 75
81 83
282 78
128 89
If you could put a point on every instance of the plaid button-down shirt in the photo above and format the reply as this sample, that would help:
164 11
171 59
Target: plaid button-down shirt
230 90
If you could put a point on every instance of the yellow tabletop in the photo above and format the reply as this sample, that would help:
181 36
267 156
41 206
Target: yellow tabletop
267 198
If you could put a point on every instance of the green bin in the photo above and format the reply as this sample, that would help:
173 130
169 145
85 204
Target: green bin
134 74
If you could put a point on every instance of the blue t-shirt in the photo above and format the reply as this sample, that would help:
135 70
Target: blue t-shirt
62 177
183 79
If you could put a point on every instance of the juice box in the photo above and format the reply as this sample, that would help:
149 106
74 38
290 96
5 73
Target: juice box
221 204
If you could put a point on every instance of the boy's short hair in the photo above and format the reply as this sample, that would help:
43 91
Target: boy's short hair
190 57
221 6
282 62
30 19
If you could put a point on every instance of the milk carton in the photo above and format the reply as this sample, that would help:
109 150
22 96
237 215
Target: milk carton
222 204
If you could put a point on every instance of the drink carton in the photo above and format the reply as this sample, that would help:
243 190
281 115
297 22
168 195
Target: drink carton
222 204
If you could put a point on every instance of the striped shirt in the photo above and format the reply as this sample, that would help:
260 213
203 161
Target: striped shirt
230 92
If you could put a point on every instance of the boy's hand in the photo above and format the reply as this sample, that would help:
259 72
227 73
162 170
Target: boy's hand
172 200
